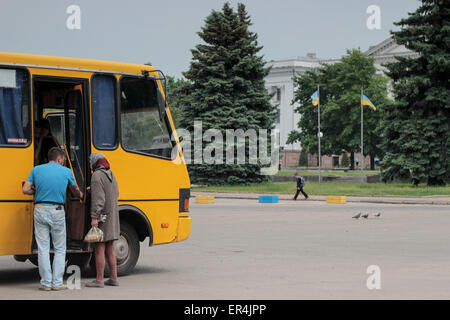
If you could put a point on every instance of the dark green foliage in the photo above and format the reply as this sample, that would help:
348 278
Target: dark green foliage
227 90
416 129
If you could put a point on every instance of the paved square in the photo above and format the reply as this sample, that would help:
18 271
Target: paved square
242 249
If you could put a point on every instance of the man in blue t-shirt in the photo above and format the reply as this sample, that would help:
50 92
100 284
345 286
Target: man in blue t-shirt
48 183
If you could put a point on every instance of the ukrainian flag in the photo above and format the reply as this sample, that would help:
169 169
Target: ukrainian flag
315 98
366 102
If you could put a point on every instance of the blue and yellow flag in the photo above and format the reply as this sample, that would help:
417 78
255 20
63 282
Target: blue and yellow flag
315 98
366 102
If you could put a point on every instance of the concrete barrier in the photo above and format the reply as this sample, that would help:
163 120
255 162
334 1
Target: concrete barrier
204 199
336 199
268 199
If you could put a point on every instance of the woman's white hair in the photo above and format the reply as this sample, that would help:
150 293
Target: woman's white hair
95 157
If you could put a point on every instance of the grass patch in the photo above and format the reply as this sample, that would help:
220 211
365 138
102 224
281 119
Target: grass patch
335 189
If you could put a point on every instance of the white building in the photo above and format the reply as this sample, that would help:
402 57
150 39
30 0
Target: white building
386 51
280 82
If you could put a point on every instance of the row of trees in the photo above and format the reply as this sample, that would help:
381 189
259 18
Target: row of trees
224 88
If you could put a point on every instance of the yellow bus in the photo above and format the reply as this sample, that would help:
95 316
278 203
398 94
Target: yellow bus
92 106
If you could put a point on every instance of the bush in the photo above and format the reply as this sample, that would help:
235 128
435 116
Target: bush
344 162
303 160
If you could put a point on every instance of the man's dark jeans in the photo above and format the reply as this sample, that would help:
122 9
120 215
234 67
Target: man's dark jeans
300 189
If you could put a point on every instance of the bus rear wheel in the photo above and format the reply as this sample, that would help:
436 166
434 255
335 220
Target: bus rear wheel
126 249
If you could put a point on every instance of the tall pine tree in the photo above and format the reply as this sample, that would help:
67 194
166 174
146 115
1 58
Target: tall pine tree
416 130
226 91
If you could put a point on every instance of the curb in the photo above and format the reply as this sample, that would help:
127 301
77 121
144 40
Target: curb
222 195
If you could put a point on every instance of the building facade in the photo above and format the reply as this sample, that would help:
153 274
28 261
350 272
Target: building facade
280 83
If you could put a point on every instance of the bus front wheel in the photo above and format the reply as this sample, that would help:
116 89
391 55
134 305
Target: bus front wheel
126 249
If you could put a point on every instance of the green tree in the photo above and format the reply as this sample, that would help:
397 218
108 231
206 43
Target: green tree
340 91
416 130
227 90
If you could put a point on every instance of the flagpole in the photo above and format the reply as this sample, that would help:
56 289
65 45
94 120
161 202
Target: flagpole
362 140
318 135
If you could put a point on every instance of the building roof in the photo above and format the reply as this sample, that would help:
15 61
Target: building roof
385 51
297 62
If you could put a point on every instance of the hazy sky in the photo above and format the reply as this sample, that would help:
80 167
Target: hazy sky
164 32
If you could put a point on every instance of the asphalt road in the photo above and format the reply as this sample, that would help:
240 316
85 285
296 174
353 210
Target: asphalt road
240 249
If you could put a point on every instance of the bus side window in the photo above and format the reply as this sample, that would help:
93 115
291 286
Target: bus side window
104 133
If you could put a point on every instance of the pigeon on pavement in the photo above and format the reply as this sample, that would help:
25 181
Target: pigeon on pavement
378 214
357 216
365 216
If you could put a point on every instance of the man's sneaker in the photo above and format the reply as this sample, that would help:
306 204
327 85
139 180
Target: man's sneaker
60 288
44 288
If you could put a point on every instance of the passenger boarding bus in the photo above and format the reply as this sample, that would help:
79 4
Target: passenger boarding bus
118 109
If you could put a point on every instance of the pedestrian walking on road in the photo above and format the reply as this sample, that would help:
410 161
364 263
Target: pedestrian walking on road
105 215
48 183
300 185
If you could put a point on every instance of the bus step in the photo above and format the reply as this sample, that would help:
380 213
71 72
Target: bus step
35 251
